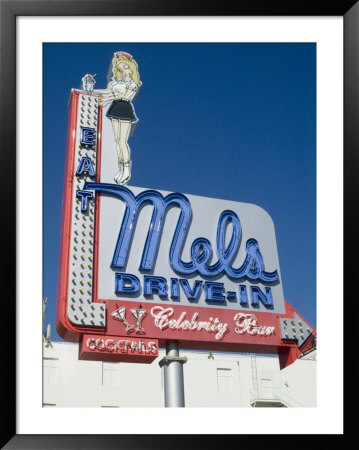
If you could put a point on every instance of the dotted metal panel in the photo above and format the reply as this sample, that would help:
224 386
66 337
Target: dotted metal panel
295 329
80 309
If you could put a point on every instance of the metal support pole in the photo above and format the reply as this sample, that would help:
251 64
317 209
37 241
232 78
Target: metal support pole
173 375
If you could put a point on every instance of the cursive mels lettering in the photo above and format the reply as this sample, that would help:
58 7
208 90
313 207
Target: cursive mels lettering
201 249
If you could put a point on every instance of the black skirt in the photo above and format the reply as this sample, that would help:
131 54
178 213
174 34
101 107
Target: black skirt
122 109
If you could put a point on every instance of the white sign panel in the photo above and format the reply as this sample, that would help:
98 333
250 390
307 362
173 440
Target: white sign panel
246 274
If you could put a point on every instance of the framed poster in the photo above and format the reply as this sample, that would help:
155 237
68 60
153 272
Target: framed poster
281 27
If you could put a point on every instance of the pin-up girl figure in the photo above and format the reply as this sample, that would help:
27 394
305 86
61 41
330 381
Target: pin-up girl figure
123 85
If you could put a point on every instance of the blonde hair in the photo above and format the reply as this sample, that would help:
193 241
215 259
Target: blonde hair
131 64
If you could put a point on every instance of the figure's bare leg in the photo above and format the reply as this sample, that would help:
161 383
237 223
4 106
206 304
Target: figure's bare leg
125 128
116 134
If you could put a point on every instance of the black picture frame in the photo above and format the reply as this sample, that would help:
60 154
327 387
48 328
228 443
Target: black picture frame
9 10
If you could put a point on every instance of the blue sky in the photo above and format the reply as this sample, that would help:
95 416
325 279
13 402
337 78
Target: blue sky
229 121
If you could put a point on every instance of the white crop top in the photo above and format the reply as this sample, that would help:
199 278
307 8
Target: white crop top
119 87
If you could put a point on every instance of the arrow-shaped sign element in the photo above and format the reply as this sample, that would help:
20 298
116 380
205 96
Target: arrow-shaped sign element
295 329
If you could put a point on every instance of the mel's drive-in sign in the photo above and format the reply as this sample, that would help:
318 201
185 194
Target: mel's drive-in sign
140 266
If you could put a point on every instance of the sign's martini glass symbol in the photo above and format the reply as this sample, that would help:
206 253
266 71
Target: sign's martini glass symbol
120 314
139 315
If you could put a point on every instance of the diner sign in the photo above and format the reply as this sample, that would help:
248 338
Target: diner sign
140 266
